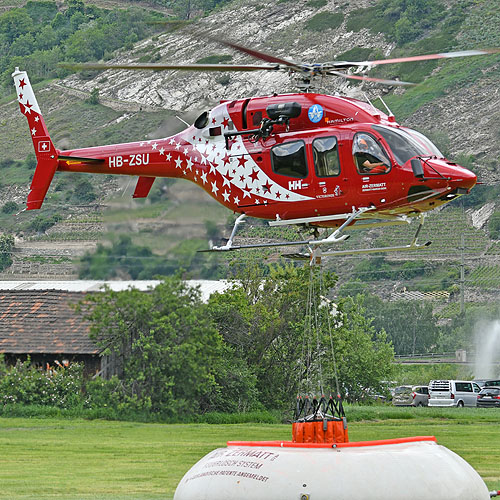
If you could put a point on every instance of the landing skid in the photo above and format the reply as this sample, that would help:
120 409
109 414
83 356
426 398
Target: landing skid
315 253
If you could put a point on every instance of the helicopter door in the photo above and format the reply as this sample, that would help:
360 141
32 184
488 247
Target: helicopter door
372 163
327 167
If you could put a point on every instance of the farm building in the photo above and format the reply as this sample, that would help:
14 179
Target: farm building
38 319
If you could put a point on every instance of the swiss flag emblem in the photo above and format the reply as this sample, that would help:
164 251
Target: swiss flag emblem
43 146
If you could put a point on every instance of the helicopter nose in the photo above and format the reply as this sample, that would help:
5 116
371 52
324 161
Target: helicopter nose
463 179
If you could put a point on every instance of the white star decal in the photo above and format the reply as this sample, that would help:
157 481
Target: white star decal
168 157
204 177
214 188
178 145
186 151
154 146
189 164
162 151
212 168
37 118
236 200
245 194
178 162
172 141
225 194
33 131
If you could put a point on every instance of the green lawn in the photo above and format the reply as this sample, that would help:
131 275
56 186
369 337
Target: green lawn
80 459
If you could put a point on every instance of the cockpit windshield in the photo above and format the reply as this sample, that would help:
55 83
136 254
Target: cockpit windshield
406 143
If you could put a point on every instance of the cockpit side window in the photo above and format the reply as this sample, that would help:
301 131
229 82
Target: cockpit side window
326 157
369 156
290 159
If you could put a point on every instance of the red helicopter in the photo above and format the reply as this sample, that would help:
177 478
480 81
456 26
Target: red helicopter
304 158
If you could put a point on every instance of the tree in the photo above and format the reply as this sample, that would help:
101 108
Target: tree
267 322
164 344
6 247
126 259
94 96
409 324
14 23
364 356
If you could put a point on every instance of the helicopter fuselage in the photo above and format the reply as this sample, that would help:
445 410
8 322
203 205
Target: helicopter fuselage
280 157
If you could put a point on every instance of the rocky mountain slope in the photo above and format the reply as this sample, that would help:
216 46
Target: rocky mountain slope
462 115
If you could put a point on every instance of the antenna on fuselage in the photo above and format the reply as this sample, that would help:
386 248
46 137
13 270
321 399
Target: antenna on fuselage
389 112
183 121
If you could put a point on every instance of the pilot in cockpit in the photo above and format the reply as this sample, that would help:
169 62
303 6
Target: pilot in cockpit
368 155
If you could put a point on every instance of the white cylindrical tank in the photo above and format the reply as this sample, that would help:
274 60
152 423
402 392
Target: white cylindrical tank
398 469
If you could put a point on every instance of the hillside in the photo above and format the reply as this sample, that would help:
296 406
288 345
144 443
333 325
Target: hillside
456 103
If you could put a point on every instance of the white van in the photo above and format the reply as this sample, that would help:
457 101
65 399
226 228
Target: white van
453 393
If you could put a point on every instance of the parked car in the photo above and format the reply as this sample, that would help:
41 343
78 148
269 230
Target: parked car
489 397
453 393
411 395
487 383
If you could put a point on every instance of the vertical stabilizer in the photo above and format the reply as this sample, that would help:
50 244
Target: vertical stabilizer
45 152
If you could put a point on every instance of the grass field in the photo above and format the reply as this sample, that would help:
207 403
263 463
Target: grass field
79 459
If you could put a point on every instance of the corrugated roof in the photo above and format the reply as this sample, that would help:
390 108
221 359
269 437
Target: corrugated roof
78 285
207 287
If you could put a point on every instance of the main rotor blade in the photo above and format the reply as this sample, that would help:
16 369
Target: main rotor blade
442 55
369 78
163 67
258 54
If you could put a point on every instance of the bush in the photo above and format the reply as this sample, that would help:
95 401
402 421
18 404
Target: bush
27 385
6 247
317 3
215 59
40 224
9 208
84 192
94 96
324 21
401 21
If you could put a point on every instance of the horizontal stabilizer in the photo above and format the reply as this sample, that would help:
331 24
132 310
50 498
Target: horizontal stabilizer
79 159
143 187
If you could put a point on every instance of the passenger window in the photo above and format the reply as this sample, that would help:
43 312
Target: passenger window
290 159
463 387
369 156
326 157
